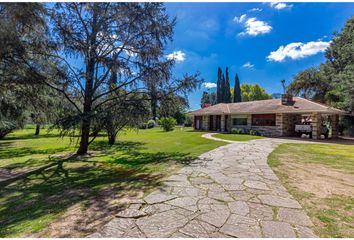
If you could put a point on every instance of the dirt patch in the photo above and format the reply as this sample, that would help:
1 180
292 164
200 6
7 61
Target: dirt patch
82 219
319 180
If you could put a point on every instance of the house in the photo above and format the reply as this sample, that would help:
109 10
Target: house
273 117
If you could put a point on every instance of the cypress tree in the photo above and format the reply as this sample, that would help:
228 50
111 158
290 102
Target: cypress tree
218 90
227 92
237 90
222 89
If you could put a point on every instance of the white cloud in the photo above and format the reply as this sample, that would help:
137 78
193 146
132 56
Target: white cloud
297 50
256 10
209 85
248 65
178 56
240 19
280 5
255 27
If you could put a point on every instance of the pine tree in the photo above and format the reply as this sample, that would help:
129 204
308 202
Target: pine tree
227 87
237 90
218 91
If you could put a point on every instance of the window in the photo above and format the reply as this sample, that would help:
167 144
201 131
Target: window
263 120
239 121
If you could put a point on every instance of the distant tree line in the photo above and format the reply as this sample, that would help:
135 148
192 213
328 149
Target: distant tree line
240 93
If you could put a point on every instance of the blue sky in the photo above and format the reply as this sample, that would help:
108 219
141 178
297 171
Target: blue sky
208 35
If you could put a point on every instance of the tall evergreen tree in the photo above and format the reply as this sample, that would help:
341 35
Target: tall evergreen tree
218 91
222 87
227 92
237 90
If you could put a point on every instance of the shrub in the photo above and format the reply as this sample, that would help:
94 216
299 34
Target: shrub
255 132
238 131
168 123
151 123
143 125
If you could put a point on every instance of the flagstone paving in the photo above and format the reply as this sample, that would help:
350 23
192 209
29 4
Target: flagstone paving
228 192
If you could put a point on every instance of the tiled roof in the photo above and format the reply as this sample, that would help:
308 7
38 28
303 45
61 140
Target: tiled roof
300 105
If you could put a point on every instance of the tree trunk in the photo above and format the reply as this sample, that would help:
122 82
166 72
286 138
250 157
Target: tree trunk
85 135
111 139
38 127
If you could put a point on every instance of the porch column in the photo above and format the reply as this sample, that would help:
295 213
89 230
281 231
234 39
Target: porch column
334 125
279 123
316 125
222 124
206 123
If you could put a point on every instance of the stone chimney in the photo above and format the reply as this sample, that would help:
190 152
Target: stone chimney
287 99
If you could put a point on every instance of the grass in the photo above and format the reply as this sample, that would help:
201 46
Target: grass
333 214
237 137
137 164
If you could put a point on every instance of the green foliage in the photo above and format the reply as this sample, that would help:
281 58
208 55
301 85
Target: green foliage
237 90
255 132
227 97
151 123
167 123
219 93
252 92
208 98
239 131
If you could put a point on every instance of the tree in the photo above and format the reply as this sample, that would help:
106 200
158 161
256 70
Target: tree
208 98
129 37
222 89
339 67
227 87
219 87
310 84
252 92
237 90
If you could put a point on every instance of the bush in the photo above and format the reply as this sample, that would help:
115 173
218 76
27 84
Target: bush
168 123
143 126
238 131
151 123
255 133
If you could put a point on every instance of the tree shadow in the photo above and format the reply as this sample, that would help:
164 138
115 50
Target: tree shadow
14 152
36 202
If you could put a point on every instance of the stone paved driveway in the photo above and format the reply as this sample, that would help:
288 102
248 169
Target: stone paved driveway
229 192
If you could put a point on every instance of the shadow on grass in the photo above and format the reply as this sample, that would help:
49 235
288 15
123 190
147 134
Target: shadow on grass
32 205
13 152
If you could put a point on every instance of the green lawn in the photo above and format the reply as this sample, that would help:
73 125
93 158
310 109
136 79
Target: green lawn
237 137
135 165
320 177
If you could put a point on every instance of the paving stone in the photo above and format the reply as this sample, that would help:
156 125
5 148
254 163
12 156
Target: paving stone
274 229
131 213
305 232
228 192
239 208
117 227
241 227
260 211
294 216
256 185
189 203
158 197
161 224
279 201
198 229
215 218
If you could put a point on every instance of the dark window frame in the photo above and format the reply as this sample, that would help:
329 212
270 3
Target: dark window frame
264 120
244 123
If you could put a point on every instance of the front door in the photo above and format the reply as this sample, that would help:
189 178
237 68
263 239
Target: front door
211 120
